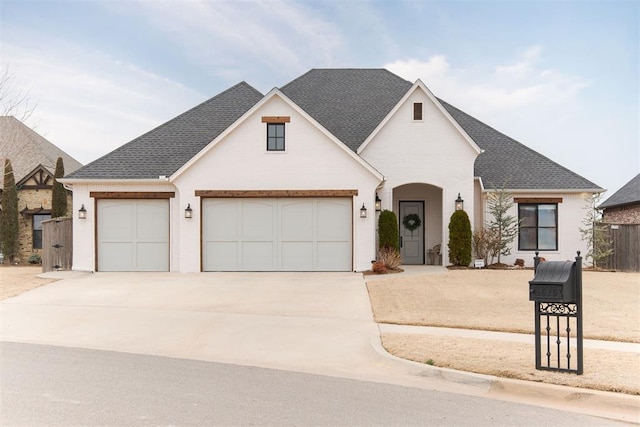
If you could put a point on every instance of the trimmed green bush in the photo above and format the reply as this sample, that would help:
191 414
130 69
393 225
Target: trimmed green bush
460 239
388 230
9 215
59 194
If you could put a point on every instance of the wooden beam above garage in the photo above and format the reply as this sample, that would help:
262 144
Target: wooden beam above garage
132 194
274 193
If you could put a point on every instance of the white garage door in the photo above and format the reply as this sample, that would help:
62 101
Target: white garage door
285 234
133 235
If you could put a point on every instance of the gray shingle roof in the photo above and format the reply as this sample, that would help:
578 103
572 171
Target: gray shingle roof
163 150
628 194
27 150
510 164
349 103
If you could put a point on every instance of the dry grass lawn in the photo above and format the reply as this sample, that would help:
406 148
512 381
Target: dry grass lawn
16 280
498 300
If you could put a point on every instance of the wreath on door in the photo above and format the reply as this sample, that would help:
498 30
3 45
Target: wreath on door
411 222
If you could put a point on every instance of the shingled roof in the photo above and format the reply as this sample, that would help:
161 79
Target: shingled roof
26 149
506 163
349 103
628 194
163 150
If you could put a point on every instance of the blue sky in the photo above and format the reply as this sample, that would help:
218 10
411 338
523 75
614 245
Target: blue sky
562 77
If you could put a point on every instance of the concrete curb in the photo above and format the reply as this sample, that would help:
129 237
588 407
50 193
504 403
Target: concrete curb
614 406
66 274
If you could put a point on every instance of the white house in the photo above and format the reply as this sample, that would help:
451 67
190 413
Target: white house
289 181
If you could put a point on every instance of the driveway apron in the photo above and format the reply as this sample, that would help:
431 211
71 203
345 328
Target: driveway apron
310 322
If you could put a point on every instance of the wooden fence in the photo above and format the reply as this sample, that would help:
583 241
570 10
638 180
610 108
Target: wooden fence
625 242
57 244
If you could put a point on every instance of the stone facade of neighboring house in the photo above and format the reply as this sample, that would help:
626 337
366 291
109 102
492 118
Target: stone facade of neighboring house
623 207
33 160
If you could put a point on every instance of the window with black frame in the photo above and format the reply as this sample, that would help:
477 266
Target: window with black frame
37 230
275 137
538 226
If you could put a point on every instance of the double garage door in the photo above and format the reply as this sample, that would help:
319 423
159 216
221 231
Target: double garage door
273 234
277 234
133 235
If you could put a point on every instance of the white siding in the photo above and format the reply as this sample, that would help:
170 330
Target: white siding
84 231
570 215
312 161
431 151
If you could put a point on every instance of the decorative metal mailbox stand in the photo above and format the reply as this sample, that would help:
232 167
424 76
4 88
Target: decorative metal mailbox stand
556 290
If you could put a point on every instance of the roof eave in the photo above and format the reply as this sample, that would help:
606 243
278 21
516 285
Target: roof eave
436 102
542 190
71 181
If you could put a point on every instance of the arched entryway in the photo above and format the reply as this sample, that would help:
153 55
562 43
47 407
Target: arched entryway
418 207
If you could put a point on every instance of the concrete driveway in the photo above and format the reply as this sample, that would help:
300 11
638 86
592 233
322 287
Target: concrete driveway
310 322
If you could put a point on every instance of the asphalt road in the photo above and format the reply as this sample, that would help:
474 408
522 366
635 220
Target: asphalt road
71 386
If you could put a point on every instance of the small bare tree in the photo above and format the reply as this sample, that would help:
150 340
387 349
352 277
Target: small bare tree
13 100
593 232
503 225
486 244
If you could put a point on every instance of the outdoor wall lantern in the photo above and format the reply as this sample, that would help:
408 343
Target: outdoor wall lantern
378 203
188 212
363 211
82 212
459 203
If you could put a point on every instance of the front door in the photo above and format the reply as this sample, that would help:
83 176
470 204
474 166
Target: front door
412 232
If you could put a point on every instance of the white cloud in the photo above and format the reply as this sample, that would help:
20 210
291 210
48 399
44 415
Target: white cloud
495 91
232 37
546 109
89 103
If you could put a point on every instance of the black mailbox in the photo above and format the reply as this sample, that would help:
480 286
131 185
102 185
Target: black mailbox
554 281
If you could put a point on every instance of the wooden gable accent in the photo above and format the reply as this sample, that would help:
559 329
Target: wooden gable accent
276 119
38 179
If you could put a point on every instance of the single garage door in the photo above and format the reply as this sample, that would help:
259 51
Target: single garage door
133 235
277 234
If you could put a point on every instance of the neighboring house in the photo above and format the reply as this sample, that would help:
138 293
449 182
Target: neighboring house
33 160
289 181
623 207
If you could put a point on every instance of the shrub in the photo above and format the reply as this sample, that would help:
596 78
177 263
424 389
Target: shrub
388 230
460 239
390 257
486 243
34 259
379 267
59 194
9 215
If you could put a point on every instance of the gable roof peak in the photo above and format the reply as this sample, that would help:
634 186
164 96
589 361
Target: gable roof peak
166 148
27 149
348 102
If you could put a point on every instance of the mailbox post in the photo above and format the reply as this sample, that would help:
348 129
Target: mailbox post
556 291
